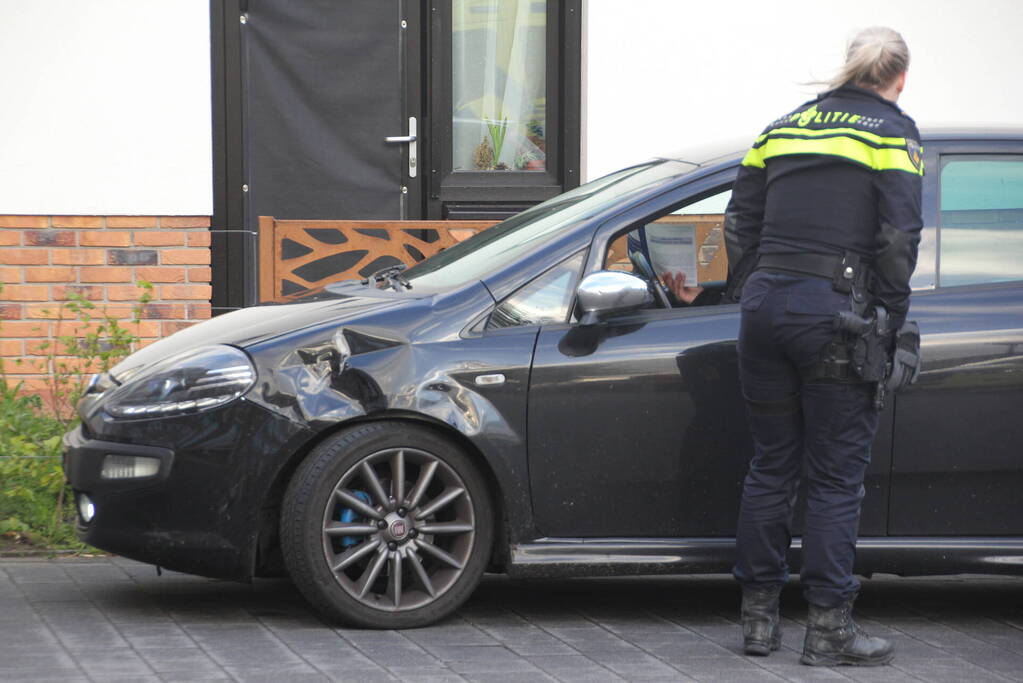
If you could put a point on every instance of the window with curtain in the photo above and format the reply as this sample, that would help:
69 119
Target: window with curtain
499 85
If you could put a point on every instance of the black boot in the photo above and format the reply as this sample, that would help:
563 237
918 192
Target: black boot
833 638
761 627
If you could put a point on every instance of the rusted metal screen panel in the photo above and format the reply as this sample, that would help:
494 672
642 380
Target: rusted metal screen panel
296 255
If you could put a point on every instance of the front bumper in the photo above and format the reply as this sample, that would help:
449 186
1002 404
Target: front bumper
199 513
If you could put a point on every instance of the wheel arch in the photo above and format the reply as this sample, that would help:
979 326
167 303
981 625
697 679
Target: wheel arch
268 561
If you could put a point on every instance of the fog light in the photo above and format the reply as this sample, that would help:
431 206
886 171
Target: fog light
85 508
129 466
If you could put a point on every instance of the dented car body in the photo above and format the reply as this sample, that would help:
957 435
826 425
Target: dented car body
386 441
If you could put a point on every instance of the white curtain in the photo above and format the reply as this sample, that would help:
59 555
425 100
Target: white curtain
498 84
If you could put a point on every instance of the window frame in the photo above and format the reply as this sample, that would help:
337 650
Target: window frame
691 192
487 329
959 151
562 127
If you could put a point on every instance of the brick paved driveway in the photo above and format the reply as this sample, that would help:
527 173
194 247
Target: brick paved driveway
115 620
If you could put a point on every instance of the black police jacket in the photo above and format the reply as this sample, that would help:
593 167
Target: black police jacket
843 172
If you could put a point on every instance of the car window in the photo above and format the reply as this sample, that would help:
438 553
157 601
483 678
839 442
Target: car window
981 231
688 239
490 250
544 301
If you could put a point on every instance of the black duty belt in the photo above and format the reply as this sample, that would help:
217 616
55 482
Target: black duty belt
819 265
848 272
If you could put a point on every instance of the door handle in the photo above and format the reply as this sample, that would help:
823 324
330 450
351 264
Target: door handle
411 138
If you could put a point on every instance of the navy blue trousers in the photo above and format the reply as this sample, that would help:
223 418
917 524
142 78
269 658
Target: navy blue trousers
823 427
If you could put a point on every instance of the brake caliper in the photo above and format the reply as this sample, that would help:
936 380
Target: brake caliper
348 516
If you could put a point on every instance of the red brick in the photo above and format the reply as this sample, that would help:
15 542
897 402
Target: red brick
10 238
131 221
74 328
161 274
49 238
50 310
147 328
50 274
10 274
199 311
26 366
26 293
169 328
27 257
172 292
104 274
24 221
44 347
159 238
14 312
105 238
13 330
124 313
77 257
185 222
177 257
199 239
131 257
124 292
12 347
78 221
163 311
90 292
200 274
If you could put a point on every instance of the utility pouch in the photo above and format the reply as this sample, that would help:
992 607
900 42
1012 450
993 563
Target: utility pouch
905 363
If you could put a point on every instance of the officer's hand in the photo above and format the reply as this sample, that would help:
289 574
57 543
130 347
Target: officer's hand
676 282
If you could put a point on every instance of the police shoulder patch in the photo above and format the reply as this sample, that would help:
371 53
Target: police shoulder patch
915 153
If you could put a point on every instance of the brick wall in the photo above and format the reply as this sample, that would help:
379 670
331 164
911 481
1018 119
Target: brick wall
42 258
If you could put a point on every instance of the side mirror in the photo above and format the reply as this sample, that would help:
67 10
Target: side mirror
611 291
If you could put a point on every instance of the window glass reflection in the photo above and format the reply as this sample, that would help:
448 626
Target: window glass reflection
499 60
981 220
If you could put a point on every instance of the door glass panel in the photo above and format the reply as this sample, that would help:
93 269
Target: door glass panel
544 301
981 220
688 240
499 83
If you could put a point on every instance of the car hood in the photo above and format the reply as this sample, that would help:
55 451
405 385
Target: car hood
249 326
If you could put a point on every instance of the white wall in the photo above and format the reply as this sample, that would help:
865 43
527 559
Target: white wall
662 75
105 107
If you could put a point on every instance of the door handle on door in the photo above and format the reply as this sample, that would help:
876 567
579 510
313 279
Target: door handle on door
411 138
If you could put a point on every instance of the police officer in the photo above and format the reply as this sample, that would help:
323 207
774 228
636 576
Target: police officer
826 213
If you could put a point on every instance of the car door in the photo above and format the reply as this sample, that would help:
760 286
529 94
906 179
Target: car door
637 427
956 467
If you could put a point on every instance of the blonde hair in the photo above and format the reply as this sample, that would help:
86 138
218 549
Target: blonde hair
874 58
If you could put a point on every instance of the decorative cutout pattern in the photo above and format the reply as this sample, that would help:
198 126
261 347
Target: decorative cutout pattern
297 255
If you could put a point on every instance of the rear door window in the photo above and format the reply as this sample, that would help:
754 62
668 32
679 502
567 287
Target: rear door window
981 224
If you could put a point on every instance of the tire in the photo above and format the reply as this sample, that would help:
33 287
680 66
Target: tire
370 553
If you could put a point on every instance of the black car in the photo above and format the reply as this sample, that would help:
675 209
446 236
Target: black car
517 403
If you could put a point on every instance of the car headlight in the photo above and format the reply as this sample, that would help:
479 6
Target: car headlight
187 382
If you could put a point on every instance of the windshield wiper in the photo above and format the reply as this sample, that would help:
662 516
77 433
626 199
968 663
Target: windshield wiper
390 273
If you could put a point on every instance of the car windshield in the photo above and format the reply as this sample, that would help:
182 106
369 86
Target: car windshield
490 250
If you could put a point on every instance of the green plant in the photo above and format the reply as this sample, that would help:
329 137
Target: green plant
73 359
33 493
498 131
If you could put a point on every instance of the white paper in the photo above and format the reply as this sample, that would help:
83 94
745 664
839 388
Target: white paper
672 248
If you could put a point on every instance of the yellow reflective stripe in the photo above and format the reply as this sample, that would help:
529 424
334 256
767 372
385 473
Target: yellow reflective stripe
879 159
806 132
753 158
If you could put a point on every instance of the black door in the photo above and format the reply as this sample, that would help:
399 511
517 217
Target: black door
957 468
324 85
